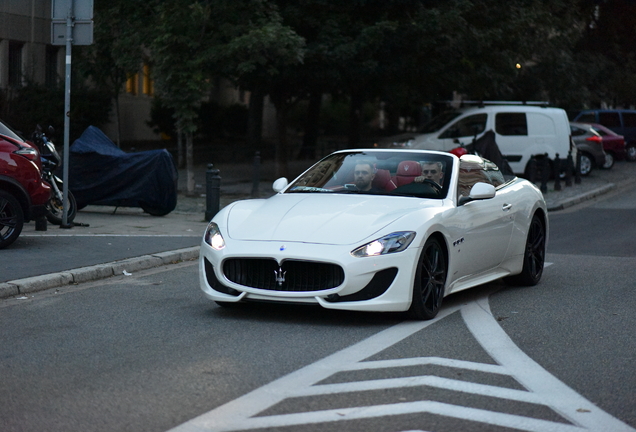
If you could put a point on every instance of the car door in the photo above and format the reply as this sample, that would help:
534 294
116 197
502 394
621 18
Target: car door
485 225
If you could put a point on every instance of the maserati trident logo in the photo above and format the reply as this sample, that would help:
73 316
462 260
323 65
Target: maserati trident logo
280 276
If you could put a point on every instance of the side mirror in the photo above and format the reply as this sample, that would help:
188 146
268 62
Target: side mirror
280 184
479 191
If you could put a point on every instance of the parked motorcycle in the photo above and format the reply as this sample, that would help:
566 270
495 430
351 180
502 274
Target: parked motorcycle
51 160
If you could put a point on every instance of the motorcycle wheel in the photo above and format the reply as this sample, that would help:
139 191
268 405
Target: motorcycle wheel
153 211
55 210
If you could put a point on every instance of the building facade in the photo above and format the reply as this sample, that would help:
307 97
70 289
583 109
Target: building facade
27 55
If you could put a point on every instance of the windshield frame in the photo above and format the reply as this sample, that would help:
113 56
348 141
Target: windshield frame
334 174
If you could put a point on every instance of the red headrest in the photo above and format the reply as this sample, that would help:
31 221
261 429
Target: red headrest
382 180
406 172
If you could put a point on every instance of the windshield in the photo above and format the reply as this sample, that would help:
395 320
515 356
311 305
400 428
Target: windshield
403 173
6 131
436 123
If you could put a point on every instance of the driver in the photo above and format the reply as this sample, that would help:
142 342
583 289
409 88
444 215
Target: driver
363 175
430 171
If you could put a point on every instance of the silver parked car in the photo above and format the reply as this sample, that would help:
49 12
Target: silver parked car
590 144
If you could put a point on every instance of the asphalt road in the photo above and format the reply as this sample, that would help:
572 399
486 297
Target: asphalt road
41 255
148 352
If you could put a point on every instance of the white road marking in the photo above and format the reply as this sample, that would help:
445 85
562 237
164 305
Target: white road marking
542 388
531 375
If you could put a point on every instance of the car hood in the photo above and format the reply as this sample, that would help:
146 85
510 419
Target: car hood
318 218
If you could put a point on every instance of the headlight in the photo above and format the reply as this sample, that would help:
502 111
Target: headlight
213 236
394 242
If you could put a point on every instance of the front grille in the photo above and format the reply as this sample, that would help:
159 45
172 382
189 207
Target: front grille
291 275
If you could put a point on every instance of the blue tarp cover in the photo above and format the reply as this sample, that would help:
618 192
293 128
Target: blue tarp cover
100 173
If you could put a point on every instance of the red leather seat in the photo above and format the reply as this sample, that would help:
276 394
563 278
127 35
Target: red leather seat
406 172
382 180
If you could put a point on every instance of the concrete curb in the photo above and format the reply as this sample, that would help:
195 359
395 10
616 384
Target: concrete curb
96 272
582 197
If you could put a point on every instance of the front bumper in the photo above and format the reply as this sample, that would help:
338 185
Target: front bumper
382 283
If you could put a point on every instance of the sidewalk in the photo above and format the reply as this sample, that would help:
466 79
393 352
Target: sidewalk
237 182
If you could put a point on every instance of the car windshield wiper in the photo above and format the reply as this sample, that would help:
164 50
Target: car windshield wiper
308 189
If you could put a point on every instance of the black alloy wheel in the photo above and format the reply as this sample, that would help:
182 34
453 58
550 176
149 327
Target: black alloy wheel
11 219
430 281
534 255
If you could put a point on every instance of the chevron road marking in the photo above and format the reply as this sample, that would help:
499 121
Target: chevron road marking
542 388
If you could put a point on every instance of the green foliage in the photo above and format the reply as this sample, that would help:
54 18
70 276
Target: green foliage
35 104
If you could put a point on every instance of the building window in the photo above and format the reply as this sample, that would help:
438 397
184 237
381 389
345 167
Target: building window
15 64
147 84
131 84
51 76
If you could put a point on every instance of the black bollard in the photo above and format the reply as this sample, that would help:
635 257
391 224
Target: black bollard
569 168
557 173
256 175
532 169
212 192
545 173
577 173
41 223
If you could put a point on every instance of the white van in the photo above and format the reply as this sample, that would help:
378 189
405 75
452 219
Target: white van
521 131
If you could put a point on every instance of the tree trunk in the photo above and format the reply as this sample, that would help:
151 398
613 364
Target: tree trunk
310 138
255 120
189 164
280 166
355 119
180 158
117 115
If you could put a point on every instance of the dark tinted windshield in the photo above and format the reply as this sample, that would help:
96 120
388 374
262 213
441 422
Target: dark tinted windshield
436 123
6 131
404 173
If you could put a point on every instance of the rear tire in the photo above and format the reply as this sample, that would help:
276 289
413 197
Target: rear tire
153 211
11 219
609 161
586 164
430 281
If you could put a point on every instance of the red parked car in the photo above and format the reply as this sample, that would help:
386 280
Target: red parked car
613 144
23 193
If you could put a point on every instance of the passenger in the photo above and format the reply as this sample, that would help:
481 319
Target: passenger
431 171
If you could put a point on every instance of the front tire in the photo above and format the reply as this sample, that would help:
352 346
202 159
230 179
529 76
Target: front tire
55 209
534 255
11 219
430 281
631 152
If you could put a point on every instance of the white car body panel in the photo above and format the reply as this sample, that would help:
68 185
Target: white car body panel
484 239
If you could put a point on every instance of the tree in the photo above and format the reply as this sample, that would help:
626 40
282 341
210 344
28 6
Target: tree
259 57
120 34
179 51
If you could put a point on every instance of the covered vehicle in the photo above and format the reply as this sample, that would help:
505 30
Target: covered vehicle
100 173
377 230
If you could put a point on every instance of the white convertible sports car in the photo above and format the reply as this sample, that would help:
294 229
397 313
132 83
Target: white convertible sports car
378 230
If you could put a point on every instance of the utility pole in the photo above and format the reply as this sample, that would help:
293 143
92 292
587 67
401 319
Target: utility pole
72 24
